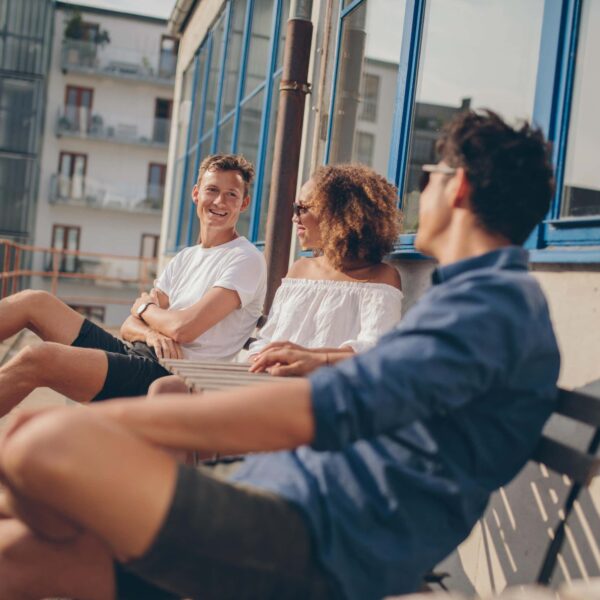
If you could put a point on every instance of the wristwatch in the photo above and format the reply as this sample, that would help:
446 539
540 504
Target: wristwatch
142 308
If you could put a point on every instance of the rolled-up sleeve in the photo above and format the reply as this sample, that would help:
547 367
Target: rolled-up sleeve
443 355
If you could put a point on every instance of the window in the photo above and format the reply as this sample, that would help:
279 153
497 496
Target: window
366 81
575 216
492 63
155 190
78 108
149 245
65 237
72 168
365 145
370 86
162 120
229 96
18 104
168 56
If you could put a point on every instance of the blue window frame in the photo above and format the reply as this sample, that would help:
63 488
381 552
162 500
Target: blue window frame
559 238
232 89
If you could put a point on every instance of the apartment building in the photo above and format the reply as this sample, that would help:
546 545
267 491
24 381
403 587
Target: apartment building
102 177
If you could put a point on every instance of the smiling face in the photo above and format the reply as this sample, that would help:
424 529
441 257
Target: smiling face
220 197
307 219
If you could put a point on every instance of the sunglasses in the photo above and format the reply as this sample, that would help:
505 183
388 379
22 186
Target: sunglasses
427 170
299 209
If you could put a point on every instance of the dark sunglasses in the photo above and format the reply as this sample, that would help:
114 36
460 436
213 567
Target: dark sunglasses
427 170
299 209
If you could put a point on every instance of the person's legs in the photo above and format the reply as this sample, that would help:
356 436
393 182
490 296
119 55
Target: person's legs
33 568
181 530
42 313
122 502
78 373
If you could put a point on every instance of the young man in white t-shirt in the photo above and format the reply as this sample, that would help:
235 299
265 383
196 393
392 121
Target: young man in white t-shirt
204 305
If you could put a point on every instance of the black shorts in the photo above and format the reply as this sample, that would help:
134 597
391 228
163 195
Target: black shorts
220 541
131 368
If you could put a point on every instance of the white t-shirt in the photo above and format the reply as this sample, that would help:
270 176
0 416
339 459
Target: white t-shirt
321 313
236 265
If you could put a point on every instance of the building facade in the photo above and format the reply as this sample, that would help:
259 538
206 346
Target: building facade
386 75
25 44
103 168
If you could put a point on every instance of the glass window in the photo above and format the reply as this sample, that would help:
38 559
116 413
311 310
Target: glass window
225 136
214 74
195 122
17 181
482 54
260 41
365 144
285 15
234 57
581 192
17 114
369 52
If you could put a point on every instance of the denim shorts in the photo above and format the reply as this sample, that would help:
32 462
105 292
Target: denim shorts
223 540
131 368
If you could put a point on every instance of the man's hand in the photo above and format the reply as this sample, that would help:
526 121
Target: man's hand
164 346
143 299
285 359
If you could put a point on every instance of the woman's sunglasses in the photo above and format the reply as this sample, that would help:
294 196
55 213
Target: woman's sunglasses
427 170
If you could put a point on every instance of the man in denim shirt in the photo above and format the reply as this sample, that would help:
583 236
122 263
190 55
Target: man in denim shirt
368 472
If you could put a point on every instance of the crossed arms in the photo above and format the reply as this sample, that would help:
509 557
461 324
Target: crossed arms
165 329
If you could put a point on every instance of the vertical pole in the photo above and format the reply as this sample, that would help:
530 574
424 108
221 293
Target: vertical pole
288 137
54 285
5 269
16 268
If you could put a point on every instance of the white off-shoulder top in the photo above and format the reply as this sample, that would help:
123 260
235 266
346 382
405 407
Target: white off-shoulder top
321 313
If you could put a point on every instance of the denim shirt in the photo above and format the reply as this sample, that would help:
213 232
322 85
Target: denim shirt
413 436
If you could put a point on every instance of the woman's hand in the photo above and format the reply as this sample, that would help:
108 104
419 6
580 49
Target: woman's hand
288 361
164 346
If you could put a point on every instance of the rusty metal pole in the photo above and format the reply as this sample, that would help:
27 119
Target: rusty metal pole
288 137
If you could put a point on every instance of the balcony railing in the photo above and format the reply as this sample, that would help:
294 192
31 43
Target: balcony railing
114 61
78 121
86 192
20 262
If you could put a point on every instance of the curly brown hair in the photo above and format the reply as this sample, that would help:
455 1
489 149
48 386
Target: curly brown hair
228 162
358 214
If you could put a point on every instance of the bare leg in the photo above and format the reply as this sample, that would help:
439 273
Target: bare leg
42 313
33 568
78 373
72 461
171 384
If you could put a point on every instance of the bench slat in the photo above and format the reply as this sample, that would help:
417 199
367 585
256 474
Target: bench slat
578 466
579 406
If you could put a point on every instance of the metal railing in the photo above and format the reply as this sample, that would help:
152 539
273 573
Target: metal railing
19 263
78 121
115 61
87 192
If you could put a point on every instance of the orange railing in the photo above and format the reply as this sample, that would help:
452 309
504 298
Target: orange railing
18 263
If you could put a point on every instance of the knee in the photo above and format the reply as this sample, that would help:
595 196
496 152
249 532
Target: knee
40 452
167 385
33 298
35 361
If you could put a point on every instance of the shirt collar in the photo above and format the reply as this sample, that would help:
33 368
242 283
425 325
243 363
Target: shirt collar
510 257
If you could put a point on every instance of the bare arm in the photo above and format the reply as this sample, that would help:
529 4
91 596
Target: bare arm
187 324
260 418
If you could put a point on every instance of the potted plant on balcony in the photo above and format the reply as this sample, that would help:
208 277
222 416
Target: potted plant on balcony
81 40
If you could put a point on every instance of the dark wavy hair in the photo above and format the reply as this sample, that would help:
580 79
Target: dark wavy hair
228 162
357 207
508 169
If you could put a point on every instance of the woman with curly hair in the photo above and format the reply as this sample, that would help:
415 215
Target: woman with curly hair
344 298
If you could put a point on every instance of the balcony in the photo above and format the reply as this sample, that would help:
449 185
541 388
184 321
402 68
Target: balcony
77 122
89 193
107 60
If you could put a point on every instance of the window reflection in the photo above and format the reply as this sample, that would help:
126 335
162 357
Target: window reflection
260 41
213 76
234 56
366 83
474 54
581 193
